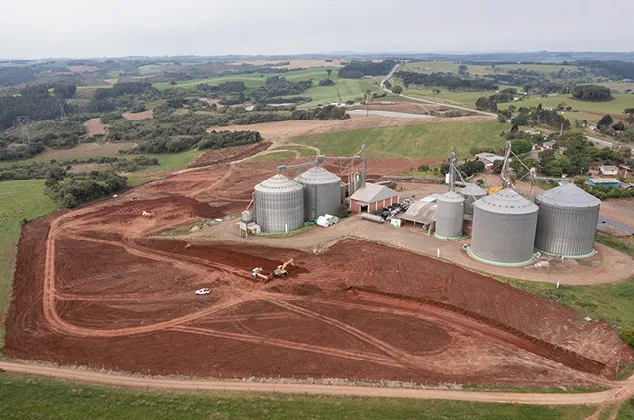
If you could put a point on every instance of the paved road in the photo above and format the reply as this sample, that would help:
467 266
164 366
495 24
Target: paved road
600 143
619 393
389 76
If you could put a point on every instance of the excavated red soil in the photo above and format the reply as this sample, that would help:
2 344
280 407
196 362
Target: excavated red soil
95 287
229 154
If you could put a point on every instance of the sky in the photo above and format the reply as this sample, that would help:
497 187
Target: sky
114 28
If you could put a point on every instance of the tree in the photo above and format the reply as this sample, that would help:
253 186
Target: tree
64 90
173 83
512 108
521 147
591 93
605 121
630 111
329 71
387 84
520 164
397 90
618 126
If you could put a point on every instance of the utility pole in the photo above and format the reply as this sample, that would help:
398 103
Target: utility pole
363 166
22 122
62 109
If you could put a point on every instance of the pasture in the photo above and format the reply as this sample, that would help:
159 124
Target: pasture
430 140
35 397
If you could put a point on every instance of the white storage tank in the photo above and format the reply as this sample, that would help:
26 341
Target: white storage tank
504 226
449 216
279 205
322 192
567 221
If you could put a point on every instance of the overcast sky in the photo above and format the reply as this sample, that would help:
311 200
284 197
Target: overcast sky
85 28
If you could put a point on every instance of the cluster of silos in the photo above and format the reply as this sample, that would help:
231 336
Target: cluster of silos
567 221
282 204
449 216
279 204
322 192
471 194
504 226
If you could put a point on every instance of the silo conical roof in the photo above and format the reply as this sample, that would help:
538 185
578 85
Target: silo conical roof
568 195
473 189
506 201
451 197
317 175
278 183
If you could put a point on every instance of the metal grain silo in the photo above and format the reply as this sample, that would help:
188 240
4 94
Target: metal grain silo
322 192
567 221
504 226
279 204
449 215
471 194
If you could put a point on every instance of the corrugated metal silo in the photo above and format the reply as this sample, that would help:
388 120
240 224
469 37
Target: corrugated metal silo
279 204
322 192
449 215
504 226
567 221
471 194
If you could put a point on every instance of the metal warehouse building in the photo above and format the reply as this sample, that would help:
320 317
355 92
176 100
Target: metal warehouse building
372 197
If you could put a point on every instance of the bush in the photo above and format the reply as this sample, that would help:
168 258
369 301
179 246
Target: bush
627 335
423 168
77 190
220 140
326 82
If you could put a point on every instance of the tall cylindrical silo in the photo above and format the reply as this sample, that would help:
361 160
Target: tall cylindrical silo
504 226
279 204
471 194
322 192
567 221
449 215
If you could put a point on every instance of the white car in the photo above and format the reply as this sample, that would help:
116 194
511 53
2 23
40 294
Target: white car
204 291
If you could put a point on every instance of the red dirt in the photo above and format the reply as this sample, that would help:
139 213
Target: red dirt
95 126
229 154
92 288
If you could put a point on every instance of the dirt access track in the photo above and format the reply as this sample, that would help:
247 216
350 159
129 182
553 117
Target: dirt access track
95 287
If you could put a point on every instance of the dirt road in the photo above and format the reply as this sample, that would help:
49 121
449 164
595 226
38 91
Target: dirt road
612 396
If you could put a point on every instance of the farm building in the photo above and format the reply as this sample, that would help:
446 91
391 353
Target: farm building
604 182
488 159
372 197
609 170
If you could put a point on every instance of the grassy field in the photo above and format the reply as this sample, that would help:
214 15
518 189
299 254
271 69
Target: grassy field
626 412
31 397
474 70
432 140
20 200
342 91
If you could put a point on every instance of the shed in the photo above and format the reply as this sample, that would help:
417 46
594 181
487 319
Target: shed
609 170
372 197
604 182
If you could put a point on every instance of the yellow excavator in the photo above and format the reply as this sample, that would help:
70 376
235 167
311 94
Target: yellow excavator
278 272
281 269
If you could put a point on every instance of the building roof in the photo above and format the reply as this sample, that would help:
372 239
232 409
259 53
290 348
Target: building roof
420 212
371 193
609 168
489 157
604 180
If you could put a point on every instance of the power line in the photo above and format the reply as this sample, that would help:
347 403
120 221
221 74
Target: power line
22 122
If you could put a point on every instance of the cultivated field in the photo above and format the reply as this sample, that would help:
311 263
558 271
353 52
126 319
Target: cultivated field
113 295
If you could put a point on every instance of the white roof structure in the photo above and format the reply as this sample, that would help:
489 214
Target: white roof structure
420 212
371 193
489 158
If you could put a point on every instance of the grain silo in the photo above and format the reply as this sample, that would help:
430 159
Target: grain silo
449 215
279 204
567 221
471 194
504 226
322 192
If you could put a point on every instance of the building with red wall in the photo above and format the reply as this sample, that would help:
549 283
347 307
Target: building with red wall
372 197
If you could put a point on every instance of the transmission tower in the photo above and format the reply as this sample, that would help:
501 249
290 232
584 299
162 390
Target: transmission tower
62 109
22 122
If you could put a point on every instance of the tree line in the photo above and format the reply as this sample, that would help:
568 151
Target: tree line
357 69
445 80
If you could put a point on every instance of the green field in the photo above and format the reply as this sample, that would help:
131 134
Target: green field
20 200
32 397
477 70
430 140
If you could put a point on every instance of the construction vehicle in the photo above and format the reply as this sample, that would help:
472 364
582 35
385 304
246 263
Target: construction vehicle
204 291
281 269
256 273
146 214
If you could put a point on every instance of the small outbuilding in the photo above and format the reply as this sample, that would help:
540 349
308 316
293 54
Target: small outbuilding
609 170
372 197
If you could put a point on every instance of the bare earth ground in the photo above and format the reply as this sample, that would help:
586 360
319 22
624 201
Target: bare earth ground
136 116
619 210
83 69
85 149
284 130
92 288
95 126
